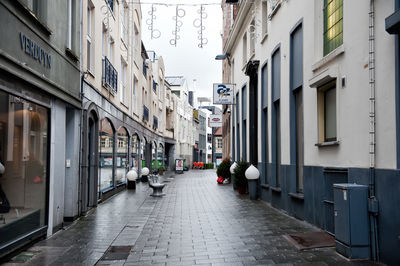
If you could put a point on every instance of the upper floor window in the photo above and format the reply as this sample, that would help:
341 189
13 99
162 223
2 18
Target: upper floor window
124 21
244 42
333 25
89 37
37 7
264 18
327 112
252 37
110 4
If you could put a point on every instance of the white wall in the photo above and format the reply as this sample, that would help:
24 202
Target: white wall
352 100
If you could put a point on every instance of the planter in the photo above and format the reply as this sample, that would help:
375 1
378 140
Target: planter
131 184
241 190
253 188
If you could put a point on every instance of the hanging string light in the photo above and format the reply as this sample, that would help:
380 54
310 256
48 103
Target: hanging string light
198 23
155 33
179 13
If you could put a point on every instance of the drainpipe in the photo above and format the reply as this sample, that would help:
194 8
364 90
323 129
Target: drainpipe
372 140
81 116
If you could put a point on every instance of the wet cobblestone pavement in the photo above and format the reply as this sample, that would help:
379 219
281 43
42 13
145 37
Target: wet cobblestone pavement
197 222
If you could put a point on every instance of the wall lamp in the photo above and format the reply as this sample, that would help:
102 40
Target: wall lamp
222 56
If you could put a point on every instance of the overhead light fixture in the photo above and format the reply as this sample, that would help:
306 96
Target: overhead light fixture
231 1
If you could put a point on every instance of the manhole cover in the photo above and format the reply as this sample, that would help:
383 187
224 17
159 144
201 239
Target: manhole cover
117 253
311 240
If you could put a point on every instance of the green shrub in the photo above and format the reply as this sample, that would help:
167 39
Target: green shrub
223 168
240 180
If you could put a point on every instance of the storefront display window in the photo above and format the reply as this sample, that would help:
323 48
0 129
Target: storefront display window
106 155
135 151
154 155
160 155
23 154
143 152
122 156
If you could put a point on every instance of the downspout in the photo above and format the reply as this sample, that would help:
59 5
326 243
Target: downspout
372 139
81 116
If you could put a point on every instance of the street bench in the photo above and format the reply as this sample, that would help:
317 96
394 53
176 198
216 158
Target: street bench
156 185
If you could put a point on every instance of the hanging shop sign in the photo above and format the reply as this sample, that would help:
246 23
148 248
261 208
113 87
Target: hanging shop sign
223 93
215 121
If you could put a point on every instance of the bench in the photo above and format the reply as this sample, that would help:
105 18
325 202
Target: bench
155 184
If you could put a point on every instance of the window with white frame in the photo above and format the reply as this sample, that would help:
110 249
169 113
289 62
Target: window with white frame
219 145
110 49
104 42
252 31
123 82
244 48
134 99
124 19
136 44
327 112
264 18
90 36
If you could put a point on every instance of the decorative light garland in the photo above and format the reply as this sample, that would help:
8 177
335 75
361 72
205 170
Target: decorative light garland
179 13
198 23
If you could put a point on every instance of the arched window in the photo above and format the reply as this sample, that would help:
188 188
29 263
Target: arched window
106 155
122 155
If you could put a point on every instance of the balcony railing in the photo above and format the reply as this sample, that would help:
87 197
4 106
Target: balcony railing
145 113
155 122
110 75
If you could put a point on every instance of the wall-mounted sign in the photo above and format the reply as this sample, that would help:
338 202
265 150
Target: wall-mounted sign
33 49
223 93
215 120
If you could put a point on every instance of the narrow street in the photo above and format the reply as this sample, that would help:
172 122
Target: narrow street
196 222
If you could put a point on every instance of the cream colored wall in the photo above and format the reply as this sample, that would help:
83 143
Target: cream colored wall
352 64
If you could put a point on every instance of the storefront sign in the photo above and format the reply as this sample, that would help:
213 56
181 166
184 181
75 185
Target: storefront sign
223 93
215 120
34 50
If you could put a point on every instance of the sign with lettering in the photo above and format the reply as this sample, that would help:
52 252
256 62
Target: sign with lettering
223 93
215 120
33 49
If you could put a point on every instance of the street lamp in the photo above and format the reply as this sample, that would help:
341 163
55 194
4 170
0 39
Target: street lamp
252 174
145 173
131 176
222 57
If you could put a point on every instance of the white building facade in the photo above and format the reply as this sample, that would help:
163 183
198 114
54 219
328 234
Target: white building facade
315 105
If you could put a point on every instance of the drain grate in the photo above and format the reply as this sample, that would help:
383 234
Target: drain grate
24 256
117 253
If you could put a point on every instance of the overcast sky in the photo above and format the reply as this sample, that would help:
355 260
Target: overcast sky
187 59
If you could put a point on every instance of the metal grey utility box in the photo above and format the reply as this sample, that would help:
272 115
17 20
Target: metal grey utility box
351 220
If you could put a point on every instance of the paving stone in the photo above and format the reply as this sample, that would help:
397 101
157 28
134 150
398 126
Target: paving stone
197 222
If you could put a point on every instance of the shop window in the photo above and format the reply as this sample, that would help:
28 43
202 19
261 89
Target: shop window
333 25
135 151
24 147
143 152
153 155
122 156
106 155
327 113
160 155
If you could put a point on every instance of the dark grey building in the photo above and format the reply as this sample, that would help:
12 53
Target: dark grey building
39 118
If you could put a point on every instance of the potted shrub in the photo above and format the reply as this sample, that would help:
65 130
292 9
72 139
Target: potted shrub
224 169
240 180
161 170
